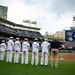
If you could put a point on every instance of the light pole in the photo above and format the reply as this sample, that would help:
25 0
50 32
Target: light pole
73 20
30 22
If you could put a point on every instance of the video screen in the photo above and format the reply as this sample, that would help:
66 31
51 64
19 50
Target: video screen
70 35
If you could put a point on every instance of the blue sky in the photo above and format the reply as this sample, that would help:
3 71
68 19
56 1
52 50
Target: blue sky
51 15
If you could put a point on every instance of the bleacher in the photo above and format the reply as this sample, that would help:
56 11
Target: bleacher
20 33
68 47
11 31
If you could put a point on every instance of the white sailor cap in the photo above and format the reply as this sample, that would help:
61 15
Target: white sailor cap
25 39
35 39
11 37
17 38
45 39
3 40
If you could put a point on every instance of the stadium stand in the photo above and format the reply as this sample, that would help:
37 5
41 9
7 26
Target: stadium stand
7 31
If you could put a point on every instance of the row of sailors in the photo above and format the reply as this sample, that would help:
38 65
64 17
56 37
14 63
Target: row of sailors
25 49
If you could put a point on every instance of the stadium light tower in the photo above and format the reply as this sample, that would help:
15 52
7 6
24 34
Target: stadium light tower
73 27
27 21
73 20
30 22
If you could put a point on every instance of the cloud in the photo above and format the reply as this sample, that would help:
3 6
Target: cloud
63 6
19 11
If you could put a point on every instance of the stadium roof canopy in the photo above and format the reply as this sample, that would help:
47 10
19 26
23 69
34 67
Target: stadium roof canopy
17 25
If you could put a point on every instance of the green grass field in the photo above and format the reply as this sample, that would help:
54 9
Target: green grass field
65 68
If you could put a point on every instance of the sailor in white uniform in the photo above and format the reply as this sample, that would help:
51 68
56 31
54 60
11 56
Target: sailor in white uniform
10 47
2 49
17 48
25 50
45 49
35 49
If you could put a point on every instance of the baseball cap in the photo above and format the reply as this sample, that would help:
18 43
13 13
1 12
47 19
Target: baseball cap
55 36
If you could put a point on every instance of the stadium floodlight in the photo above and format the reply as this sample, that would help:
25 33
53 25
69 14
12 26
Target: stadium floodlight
34 22
73 18
29 22
26 21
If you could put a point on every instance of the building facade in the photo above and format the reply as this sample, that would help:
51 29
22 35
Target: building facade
3 12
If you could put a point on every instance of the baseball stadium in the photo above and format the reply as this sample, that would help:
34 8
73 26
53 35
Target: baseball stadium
66 55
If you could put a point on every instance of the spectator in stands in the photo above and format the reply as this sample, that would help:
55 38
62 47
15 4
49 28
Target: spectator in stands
35 49
17 48
2 49
10 47
25 49
55 45
45 49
